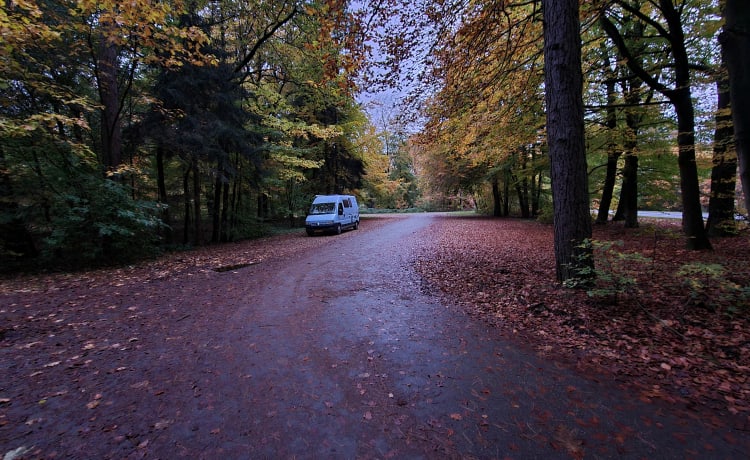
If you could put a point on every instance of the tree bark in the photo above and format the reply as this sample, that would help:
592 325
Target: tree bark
692 213
563 81
109 95
627 209
186 202
216 205
724 172
497 209
198 228
163 198
225 233
680 97
609 187
613 154
736 43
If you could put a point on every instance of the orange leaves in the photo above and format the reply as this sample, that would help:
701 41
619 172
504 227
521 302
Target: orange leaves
501 271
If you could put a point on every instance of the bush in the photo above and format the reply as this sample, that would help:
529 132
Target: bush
101 224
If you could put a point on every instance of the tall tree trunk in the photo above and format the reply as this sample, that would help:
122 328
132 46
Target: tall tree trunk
263 205
736 44
236 190
680 97
198 227
723 174
692 213
563 81
506 192
163 198
522 189
522 185
187 203
497 197
628 206
216 205
536 193
609 187
109 95
536 184
225 233
627 209
613 153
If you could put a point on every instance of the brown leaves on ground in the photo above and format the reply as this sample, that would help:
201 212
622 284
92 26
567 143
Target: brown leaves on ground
673 323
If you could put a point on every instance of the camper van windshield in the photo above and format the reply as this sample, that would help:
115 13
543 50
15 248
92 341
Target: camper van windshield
323 208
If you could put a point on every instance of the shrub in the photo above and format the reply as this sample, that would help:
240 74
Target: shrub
101 224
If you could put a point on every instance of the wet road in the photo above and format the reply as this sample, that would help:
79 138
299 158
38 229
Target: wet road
338 353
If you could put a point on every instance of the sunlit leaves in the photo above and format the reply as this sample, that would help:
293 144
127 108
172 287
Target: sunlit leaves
150 29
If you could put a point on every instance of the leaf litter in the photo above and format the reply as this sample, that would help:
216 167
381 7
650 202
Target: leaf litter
661 336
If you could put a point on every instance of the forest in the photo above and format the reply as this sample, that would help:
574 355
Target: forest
131 128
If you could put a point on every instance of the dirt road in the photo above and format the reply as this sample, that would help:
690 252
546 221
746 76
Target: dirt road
331 352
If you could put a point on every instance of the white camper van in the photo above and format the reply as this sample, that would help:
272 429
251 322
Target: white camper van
332 213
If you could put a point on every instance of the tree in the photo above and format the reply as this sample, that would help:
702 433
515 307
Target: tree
565 137
121 37
723 174
735 41
679 94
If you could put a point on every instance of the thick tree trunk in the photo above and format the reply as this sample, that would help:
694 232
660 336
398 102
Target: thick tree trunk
736 43
692 213
628 208
109 95
680 97
563 83
724 172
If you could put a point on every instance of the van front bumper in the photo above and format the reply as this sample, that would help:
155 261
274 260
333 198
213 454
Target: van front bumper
320 226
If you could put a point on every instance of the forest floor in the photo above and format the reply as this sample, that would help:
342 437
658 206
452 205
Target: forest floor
145 360
674 324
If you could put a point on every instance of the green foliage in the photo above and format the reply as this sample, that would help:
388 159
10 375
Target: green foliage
613 274
100 223
709 286
546 214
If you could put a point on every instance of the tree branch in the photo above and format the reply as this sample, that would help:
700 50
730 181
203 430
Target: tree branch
264 38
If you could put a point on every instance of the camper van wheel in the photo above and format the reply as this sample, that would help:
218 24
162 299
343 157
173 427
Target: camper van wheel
310 232
356 224
338 229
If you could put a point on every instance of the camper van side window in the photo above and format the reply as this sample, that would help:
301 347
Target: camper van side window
347 203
